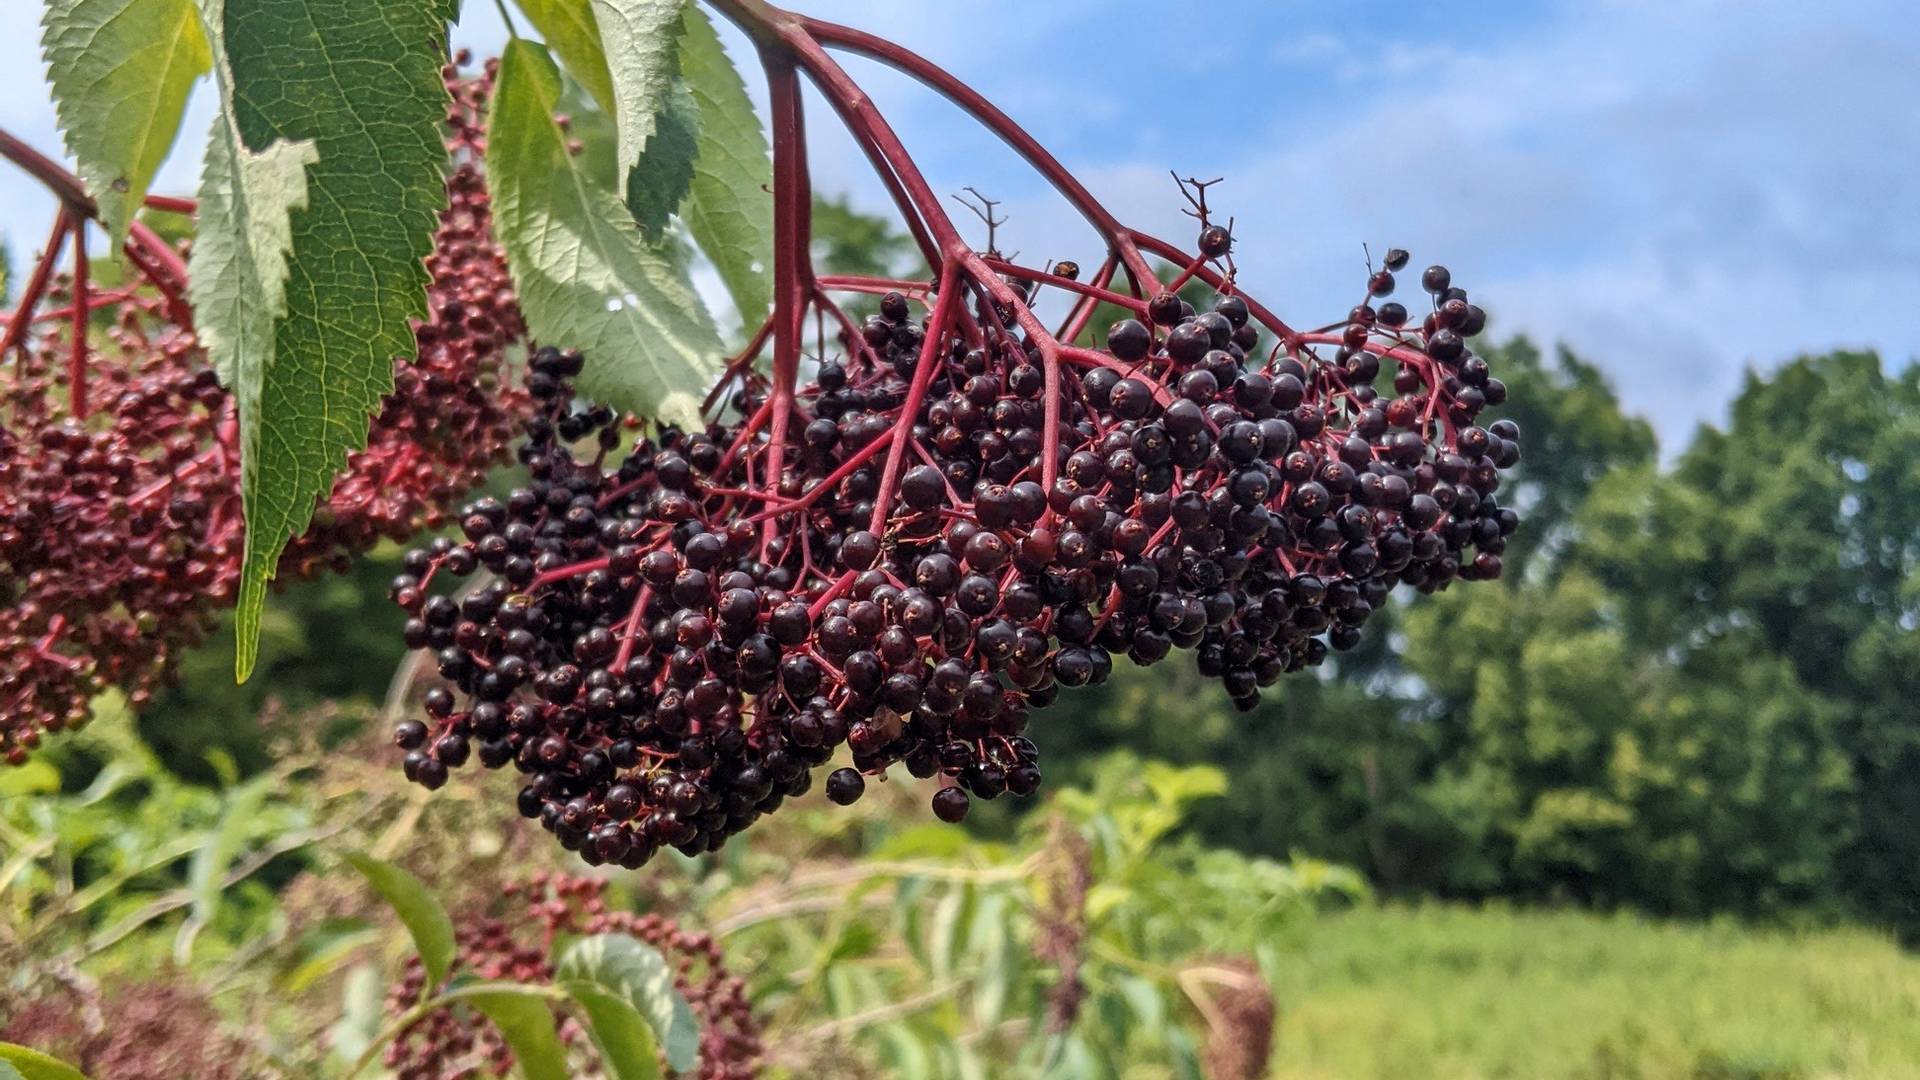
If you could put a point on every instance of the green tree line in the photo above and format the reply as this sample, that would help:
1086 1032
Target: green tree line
1695 692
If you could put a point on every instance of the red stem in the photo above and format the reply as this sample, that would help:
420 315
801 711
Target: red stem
790 269
95 301
77 359
562 573
173 204
876 286
1119 240
1093 292
747 431
22 317
931 349
628 631
812 495
66 186
1186 273
163 266
856 341
740 362
1083 308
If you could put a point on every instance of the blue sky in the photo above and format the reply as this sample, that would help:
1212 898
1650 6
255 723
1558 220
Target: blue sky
1677 189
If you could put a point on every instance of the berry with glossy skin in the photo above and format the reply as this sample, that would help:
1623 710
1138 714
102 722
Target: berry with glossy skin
950 804
845 786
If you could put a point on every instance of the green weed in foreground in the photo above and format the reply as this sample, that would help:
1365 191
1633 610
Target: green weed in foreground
1461 993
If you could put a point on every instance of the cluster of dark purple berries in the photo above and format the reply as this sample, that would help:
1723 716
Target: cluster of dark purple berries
667 638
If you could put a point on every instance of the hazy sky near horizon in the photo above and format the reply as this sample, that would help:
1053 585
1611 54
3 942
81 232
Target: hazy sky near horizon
1678 190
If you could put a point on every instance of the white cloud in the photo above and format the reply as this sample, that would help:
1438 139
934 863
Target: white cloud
1677 190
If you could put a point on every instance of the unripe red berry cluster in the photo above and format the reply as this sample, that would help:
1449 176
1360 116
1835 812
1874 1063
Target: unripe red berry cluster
121 529
451 1045
670 637
158 1029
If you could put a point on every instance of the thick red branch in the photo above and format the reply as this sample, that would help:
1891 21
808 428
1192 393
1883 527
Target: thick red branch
1119 240
66 186
82 316
792 273
22 317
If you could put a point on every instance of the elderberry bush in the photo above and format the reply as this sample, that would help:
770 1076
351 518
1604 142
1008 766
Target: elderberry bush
121 528
668 638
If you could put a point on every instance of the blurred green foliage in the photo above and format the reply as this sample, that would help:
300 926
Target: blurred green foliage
332 639
1099 941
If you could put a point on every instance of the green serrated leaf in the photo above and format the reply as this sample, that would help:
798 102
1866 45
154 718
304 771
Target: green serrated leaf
574 36
623 982
584 276
418 908
361 83
659 183
525 1020
8 1072
728 209
121 71
237 272
638 39
31 1064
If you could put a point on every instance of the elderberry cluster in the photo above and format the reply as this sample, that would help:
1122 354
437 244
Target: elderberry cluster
447 1045
670 636
121 530
158 1028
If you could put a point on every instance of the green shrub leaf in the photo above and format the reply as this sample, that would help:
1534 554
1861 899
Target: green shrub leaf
525 1020
659 184
585 277
29 1064
728 210
361 84
121 71
419 910
627 989
638 39
574 36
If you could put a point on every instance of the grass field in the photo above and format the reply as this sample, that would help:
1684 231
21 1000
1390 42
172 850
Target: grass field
1458 993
